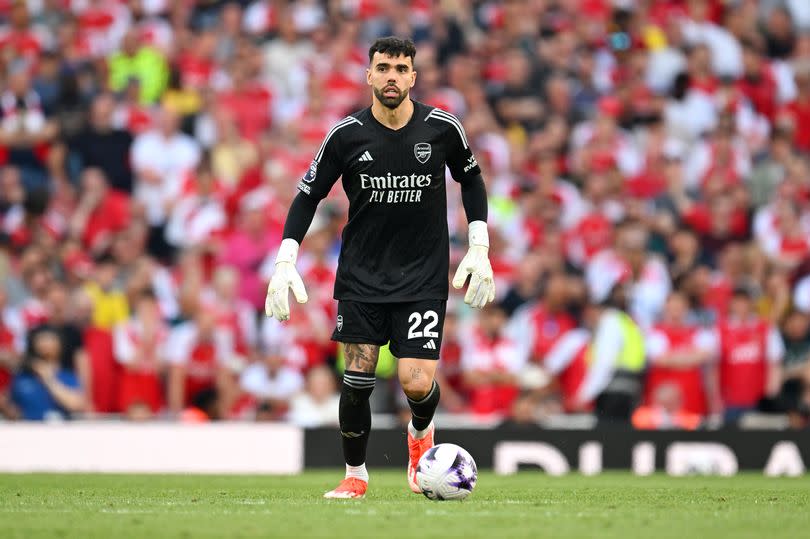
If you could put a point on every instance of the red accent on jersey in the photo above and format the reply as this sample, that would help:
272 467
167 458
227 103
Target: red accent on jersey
570 379
592 234
250 107
547 329
743 347
690 380
799 114
492 398
25 43
105 371
200 370
761 92
6 343
109 217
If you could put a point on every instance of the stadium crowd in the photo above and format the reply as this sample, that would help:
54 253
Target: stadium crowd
645 157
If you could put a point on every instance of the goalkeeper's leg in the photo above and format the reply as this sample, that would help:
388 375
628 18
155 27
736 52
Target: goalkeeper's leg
355 417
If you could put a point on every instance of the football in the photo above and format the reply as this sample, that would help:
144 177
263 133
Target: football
446 472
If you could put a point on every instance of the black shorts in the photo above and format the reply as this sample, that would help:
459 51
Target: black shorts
414 328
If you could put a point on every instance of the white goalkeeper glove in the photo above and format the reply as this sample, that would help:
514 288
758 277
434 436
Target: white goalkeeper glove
476 263
277 304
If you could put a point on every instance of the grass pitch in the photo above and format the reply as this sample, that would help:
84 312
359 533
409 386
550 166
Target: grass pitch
529 504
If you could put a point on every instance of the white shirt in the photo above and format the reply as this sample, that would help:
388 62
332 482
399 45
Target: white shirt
171 158
726 51
691 116
563 352
607 345
801 294
193 220
305 412
656 343
258 382
183 338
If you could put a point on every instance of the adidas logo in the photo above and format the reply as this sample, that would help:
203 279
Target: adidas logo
430 345
366 157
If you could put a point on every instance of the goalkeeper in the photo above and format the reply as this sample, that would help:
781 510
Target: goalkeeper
391 282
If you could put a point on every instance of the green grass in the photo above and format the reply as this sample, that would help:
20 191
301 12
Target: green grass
529 504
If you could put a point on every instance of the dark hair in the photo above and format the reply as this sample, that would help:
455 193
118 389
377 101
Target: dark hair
393 46
36 201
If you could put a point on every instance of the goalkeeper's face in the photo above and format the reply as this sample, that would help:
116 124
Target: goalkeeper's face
391 78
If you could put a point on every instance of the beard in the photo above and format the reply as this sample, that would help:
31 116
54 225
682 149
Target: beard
390 102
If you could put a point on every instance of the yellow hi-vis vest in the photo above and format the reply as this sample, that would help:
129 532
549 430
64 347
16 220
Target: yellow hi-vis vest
631 358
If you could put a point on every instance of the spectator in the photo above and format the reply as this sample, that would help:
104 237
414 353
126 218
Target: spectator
100 213
317 406
199 357
273 384
25 131
665 411
616 355
11 348
490 362
62 320
108 300
198 216
751 352
43 390
139 345
678 352
101 145
161 159
139 61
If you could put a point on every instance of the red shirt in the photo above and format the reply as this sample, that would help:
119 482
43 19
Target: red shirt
761 93
250 108
200 370
592 234
799 112
195 71
699 217
571 378
743 348
486 354
689 380
6 343
105 371
25 44
110 216
547 328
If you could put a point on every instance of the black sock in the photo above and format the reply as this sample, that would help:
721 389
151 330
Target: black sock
422 410
355 415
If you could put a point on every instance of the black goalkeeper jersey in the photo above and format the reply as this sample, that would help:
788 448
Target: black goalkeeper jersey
395 245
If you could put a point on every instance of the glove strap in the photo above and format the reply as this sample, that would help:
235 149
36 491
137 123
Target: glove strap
288 251
477 234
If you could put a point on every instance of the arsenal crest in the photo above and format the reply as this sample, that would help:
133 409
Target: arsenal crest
422 152
340 322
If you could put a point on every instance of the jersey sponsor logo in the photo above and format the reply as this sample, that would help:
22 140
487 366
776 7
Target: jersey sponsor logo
395 189
422 151
304 188
471 163
393 181
309 177
340 322
366 157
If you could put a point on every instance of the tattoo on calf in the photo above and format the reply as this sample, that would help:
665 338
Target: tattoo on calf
361 357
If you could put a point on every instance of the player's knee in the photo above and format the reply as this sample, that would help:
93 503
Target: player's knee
416 388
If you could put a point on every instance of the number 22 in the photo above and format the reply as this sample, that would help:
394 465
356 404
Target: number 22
415 320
